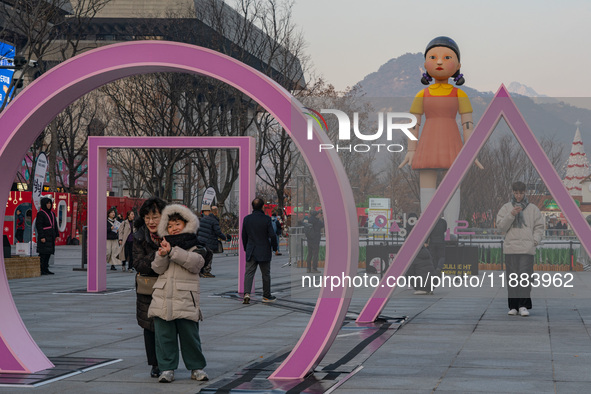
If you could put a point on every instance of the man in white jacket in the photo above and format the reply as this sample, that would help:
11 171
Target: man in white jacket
523 226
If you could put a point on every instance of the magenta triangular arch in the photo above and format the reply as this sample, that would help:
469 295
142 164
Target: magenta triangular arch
502 105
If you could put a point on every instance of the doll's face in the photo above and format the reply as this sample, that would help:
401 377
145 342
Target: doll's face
441 63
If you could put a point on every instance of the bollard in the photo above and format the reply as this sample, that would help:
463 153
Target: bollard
84 258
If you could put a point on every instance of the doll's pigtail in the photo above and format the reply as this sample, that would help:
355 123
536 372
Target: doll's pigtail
458 78
426 79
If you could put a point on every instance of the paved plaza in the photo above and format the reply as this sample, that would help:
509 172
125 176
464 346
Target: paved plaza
459 340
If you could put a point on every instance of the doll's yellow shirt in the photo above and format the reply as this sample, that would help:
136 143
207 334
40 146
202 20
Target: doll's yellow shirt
441 89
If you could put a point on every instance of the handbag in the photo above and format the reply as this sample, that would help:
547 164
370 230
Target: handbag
145 284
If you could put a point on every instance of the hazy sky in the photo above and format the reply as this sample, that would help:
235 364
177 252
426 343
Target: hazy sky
543 44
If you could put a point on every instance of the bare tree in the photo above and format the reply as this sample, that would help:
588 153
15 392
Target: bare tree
48 32
81 119
260 33
504 161
150 105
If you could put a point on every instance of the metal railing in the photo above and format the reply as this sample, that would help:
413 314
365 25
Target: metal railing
231 248
553 239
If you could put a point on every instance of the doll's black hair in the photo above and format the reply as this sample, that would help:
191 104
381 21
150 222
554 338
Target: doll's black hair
446 42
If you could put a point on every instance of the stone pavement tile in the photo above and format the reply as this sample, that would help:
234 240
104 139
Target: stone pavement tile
501 341
447 319
501 329
468 392
509 372
495 385
449 338
395 377
510 358
416 347
392 390
572 387
571 345
133 355
413 328
131 387
572 367
408 357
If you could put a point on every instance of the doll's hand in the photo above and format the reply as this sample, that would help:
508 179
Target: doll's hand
477 163
407 159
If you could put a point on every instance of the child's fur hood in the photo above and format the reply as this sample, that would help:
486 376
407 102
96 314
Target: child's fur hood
186 213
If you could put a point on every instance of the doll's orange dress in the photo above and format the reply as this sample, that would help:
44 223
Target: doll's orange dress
440 141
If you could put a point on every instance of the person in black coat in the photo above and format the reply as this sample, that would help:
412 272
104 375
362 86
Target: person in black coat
313 240
208 233
258 239
437 245
422 271
145 245
47 233
20 225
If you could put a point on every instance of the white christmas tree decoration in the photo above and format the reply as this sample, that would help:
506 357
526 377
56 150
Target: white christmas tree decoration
577 166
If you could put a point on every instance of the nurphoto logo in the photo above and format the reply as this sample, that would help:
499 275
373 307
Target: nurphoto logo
392 122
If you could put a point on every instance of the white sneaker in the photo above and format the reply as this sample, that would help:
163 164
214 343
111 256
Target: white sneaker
420 292
512 312
523 311
199 374
166 376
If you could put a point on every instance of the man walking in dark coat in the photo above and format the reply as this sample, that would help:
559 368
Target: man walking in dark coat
258 238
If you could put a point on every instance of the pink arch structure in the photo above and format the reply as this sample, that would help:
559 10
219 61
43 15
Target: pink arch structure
24 119
97 183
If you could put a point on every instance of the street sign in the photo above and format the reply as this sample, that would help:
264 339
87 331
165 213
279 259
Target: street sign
6 59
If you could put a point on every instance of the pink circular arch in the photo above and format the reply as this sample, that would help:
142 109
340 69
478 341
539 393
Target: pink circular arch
25 118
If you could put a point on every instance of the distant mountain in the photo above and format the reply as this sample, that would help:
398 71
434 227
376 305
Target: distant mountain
524 90
401 77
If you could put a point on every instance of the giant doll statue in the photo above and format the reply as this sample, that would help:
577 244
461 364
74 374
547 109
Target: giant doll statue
440 140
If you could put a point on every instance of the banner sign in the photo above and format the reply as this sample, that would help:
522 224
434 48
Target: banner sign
6 59
378 216
208 197
40 170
